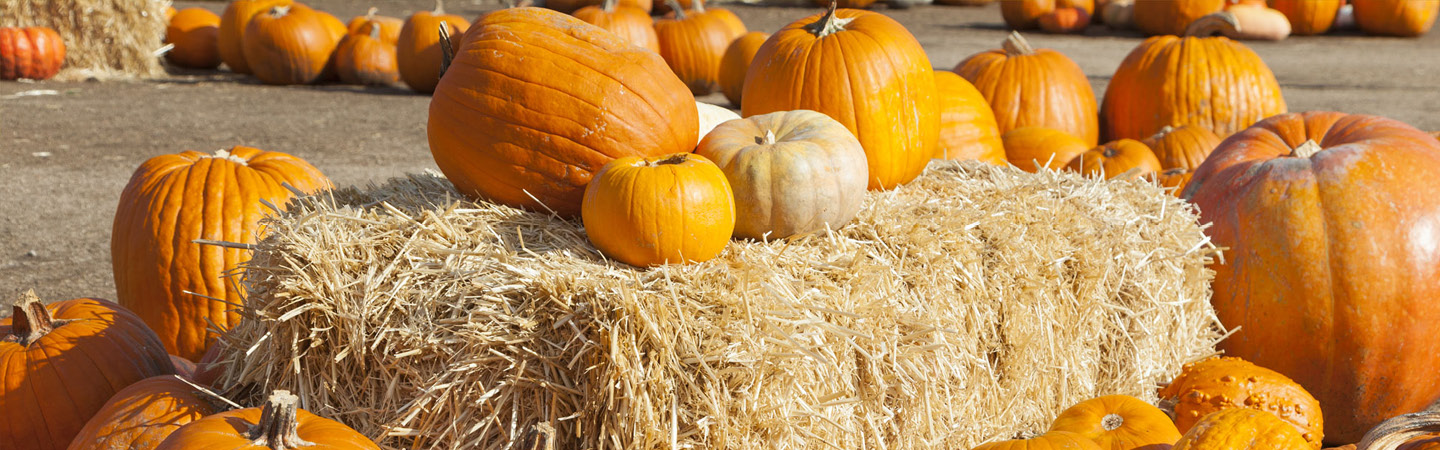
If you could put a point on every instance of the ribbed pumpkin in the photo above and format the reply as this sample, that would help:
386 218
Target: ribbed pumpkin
669 209
1175 180
1406 18
967 125
536 101
366 59
567 6
1116 158
1217 384
389 26
418 51
1171 17
196 35
1212 82
1308 17
142 415
735 63
1025 14
1034 88
233 23
1242 429
278 425
1184 147
36 53
1033 148
633 24
289 45
792 172
692 43
171 201
890 104
1331 276
1119 422
1054 440
60 363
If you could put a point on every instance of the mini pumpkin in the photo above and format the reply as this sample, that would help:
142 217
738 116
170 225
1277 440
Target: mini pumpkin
142 415
1119 422
1183 147
692 43
35 53
1054 440
1065 20
1026 14
671 209
1175 179
417 49
1242 429
278 425
1171 17
367 59
1405 18
1127 157
196 35
736 62
289 45
1027 87
1033 148
1218 384
633 24
967 125
233 23
1308 17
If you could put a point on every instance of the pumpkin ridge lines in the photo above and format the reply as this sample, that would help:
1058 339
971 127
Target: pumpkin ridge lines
169 202
73 412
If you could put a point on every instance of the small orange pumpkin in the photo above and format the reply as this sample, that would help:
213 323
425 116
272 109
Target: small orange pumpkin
1218 384
1116 158
35 53
142 415
967 125
633 24
1054 440
663 210
196 35
736 62
692 43
1184 147
366 59
1171 17
1119 422
1405 18
1034 88
280 424
1065 20
1308 17
233 23
1033 148
389 26
1026 14
1242 429
417 50
289 45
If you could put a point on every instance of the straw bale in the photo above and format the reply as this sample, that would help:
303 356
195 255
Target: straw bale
104 39
971 305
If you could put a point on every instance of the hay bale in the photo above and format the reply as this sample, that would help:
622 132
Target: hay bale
104 39
971 305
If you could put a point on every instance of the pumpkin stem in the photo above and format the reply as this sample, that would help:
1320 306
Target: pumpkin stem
830 24
370 15
1306 150
1398 430
675 6
609 6
280 11
678 158
447 50
31 321
1111 421
439 8
374 31
277 426
699 6
1017 45
769 138
1222 22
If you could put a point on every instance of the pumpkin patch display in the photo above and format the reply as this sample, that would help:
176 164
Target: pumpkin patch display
195 32
1242 429
1119 422
1117 158
693 41
1026 87
1183 147
35 53
670 209
1034 148
633 24
1308 17
278 425
1404 18
417 49
289 44
967 125
1118 14
366 59
233 23
1217 384
736 62
1054 440
142 415
1171 17
1027 14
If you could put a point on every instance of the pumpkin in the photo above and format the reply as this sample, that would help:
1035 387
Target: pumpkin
1034 148
288 45
35 53
1026 14
1249 22
1054 440
142 415
633 24
338 30
1175 179
1034 88
711 116
576 5
964 2
736 62
1212 82
195 32
854 4
792 172
366 59
1242 429
279 425
890 105
1117 158
1216 384
417 50
183 367
160 273
1330 276
389 26
967 125
1171 17
1065 20
536 101
1184 147
1405 18
692 43
1308 17
1119 422
652 211
1118 14
233 23
60 363
209 368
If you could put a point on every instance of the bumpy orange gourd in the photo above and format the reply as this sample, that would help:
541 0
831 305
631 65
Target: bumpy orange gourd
172 200
289 45
1331 276
417 50
1026 14
60 363
1308 17
890 104
669 209
35 53
735 63
1182 147
142 415
1242 429
1054 440
1033 148
589 97
1171 17
692 43
1213 82
633 24
1034 88
278 425
1116 158
233 23
1406 18
366 59
1119 422
1217 384
196 35
967 125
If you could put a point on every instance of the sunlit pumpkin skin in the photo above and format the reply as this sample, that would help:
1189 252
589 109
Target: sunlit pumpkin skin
417 50
1026 14
670 209
389 26
1212 82
366 59
570 6
736 62
35 53
631 23
1171 17
1054 440
1218 384
1119 422
1065 20
693 41
288 45
1242 429
1330 277
233 23
1174 180
60 363
1182 147
1308 17
1034 88
1404 18
1033 148
171 201
891 105
279 424
503 130
792 172
967 125
142 415
1116 158
196 35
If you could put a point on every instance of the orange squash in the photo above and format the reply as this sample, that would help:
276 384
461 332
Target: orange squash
389 26
142 415
1218 384
280 424
367 59
35 53
1026 14
633 24
1116 158
1034 88
233 23
1242 429
1308 17
196 35
289 45
736 62
417 50
1033 148
1054 440
1171 17
967 125
1184 147
662 210
1405 18
692 43
1119 422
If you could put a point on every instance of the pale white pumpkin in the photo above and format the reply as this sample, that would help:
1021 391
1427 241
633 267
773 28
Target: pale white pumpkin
710 116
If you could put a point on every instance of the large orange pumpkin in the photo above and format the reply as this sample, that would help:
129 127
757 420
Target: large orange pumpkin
172 200
1407 18
233 23
890 102
196 35
1026 14
1054 440
633 24
1033 148
35 53
692 43
967 125
735 63
1212 82
279 425
418 51
60 363
289 45
1184 147
1116 158
1308 17
142 415
1331 275
536 101
663 210
1242 429
366 59
1119 422
1217 384
1034 88
1171 17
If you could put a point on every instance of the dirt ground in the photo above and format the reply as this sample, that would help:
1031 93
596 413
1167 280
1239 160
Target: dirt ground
64 159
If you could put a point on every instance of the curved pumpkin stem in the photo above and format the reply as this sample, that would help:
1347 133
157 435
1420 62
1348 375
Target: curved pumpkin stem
1017 45
675 6
447 49
277 426
769 137
1163 131
609 6
1222 22
1396 431
280 11
830 24
370 15
1306 150
30 320
699 6
439 8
